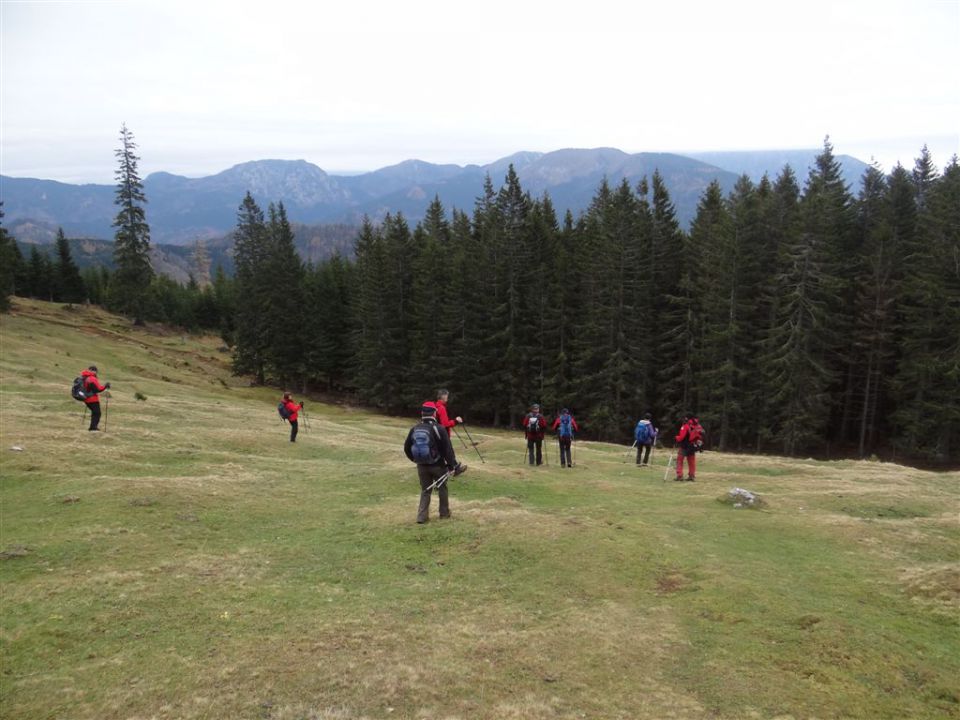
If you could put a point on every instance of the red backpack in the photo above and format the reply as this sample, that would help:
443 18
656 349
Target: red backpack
695 433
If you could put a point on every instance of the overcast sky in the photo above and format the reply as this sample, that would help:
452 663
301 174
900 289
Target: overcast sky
355 86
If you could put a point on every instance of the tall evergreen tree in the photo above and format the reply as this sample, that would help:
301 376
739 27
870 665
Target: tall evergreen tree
131 250
250 252
804 355
677 328
9 255
40 275
872 342
713 234
69 284
282 312
926 379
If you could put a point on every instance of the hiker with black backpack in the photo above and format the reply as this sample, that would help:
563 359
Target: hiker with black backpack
87 388
430 448
289 411
645 435
565 426
534 425
689 443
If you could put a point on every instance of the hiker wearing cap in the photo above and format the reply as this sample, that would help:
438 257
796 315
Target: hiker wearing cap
290 411
645 435
566 426
430 448
445 422
91 388
534 425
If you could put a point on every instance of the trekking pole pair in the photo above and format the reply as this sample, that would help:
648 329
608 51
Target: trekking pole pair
438 483
471 441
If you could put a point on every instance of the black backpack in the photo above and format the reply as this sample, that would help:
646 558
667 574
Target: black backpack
78 391
424 448
284 413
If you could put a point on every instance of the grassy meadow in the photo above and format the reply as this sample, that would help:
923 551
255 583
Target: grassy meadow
190 562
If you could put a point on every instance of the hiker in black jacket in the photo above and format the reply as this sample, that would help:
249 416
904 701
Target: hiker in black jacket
428 445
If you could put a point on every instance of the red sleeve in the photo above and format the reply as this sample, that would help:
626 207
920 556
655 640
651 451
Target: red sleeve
575 426
555 424
442 416
96 384
683 433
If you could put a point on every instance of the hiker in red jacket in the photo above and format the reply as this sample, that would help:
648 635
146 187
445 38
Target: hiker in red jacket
92 386
689 442
442 418
293 409
534 425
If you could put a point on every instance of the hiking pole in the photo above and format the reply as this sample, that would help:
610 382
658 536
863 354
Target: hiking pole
306 425
460 438
628 451
667 471
473 443
106 414
83 417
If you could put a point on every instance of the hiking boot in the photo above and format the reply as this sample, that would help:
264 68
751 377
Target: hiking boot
460 469
678 478
691 479
445 517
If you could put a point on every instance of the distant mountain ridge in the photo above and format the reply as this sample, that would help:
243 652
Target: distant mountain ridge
181 210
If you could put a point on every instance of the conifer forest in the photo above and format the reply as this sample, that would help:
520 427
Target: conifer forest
796 315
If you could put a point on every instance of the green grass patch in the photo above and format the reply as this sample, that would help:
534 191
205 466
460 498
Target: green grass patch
192 563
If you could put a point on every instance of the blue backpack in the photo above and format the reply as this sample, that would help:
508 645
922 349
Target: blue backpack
424 448
566 426
284 413
644 433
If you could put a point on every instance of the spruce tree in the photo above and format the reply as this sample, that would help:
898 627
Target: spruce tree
677 329
282 312
721 306
872 342
40 275
69 284
9 257
927 423
131 249
250 252
804 343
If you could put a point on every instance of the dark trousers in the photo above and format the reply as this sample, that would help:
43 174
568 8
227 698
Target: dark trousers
94 409
565 451
427 474
293 430
645 451
539 445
